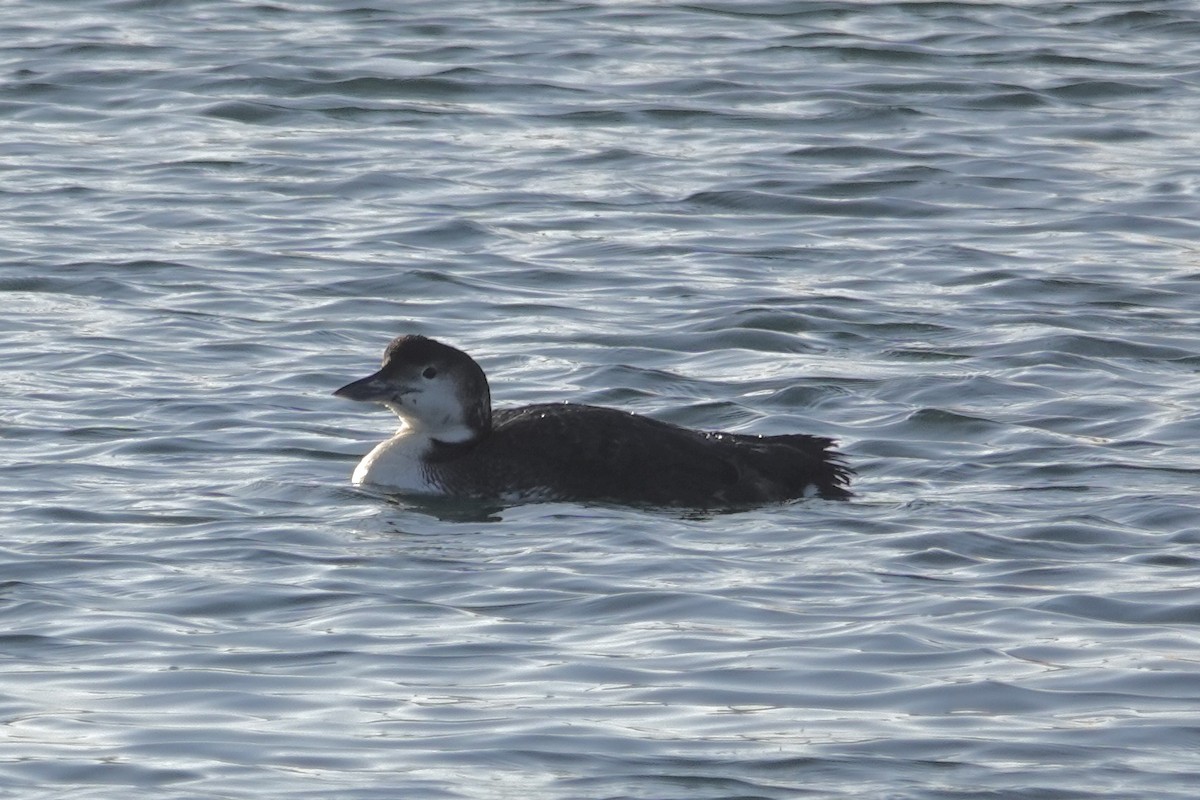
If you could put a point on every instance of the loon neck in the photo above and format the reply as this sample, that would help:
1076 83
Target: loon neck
445 431
441 450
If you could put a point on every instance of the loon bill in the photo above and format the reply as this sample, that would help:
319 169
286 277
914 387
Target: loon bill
453 443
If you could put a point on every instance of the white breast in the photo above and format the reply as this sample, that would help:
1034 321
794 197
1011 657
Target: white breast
397 464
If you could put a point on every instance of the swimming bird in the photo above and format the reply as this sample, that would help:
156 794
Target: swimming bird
453 443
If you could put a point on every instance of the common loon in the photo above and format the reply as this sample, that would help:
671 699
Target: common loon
453 443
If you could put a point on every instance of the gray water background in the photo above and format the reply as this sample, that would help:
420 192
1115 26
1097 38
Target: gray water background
960 237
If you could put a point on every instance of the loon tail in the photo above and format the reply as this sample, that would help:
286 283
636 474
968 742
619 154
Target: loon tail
823 466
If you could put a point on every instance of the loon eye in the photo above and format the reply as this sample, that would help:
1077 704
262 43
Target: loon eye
429 372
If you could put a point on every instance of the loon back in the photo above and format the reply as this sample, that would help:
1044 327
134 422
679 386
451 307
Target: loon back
567 451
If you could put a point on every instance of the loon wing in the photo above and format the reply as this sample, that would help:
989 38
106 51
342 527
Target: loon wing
593 453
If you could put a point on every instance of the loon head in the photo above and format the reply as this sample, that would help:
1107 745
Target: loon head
436 389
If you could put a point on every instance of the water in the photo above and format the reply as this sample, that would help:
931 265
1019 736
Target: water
959 237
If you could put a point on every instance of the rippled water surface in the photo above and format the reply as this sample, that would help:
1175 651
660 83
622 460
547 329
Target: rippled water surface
959 237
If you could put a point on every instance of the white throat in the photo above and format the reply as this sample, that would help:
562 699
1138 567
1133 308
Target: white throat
426 427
